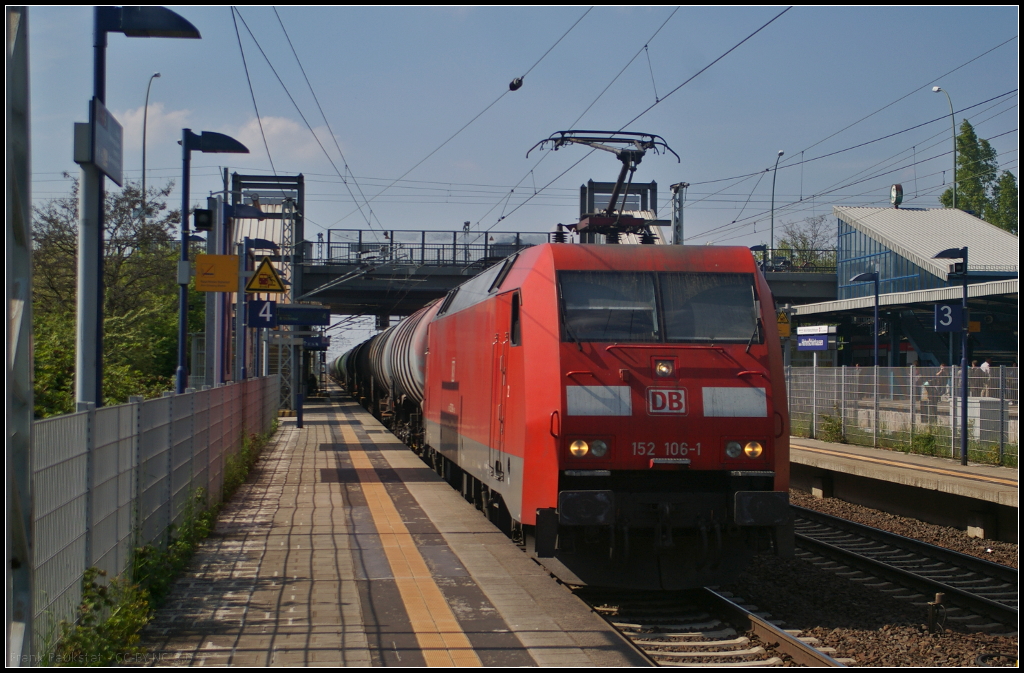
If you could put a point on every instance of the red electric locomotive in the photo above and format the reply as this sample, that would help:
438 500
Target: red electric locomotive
623 405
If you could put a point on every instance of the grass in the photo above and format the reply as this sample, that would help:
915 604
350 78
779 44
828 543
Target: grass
929 440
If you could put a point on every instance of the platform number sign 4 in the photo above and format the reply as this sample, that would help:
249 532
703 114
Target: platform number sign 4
262 313
949 317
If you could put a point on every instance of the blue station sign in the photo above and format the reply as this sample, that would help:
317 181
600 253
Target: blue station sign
815 342
297 314
949 317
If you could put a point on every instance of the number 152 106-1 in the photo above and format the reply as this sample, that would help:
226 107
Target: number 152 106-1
669 449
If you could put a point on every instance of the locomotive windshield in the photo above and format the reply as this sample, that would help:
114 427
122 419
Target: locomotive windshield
608 306
713 307
656 307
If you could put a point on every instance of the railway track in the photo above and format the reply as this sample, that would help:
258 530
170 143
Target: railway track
976 585
702 628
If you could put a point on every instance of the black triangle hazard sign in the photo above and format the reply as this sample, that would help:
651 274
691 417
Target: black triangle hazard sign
265 279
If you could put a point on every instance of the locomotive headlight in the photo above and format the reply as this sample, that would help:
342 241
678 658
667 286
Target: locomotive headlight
664 368
753 449
733 449
579 448
598 448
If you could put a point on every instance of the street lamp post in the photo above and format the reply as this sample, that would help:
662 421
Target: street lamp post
133 22
937 89
207 142
145 115
961 253
774 173
866 276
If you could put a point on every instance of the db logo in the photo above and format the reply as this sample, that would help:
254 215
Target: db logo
666 401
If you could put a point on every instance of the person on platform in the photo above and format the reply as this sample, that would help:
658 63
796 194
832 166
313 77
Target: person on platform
931 391
974 379
986 381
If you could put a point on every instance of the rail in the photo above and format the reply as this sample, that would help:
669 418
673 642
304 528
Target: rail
976 584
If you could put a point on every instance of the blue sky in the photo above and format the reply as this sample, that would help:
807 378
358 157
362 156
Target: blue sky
396 83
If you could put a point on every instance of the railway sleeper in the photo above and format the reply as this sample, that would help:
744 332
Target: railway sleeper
650 645
752 653
720 634
770 663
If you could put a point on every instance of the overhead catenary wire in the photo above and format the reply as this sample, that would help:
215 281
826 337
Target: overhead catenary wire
369 222
544 155
687 81
328 123
826 192
252 93
481 113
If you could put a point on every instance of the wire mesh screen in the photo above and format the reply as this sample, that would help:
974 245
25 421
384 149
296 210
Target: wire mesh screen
914 409
105 481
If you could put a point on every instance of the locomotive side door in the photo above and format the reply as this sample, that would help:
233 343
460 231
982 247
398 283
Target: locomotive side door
499 384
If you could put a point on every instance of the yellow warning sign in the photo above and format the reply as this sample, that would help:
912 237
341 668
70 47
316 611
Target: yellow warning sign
783 322
217 273
265 279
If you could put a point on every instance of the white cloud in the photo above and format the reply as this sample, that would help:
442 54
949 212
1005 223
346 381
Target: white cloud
162 126
289 141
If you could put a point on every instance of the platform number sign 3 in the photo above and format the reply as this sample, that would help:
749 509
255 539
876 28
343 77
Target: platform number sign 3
949 317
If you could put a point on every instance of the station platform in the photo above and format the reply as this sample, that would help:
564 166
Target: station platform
981 499
345 549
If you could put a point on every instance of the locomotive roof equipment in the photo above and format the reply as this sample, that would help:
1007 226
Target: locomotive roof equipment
634 147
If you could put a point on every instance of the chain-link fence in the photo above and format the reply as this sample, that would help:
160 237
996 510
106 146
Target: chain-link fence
915 409
105 481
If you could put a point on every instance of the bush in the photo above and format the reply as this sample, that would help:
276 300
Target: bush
831 428
110 617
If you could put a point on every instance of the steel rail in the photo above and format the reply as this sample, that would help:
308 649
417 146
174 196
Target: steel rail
784 642
971 600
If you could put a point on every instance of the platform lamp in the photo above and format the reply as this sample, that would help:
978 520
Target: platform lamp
865 277
952 119
145 118
208 142
961 268
132 22
774 173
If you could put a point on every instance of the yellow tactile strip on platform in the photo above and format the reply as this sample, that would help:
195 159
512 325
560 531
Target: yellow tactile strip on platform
437 631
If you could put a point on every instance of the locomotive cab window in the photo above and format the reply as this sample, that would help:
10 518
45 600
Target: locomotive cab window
608 306
515 329
709 307
662 307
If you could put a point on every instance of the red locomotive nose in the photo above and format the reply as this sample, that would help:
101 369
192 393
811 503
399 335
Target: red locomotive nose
594 397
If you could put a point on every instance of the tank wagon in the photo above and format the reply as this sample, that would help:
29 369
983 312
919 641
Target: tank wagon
622 407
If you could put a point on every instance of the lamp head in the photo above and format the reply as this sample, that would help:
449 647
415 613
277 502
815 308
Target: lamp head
156 74
781 153
936 89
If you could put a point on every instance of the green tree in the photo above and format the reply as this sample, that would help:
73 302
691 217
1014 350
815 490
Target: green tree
140 301
810 242
976 170
1004 200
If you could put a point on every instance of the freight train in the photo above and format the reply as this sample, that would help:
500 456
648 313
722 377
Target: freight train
621 407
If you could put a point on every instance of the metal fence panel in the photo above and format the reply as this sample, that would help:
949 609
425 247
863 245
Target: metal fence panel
60 455
908 408
154 470
104 481
181 455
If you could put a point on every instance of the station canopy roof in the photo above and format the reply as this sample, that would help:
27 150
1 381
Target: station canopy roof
918 235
